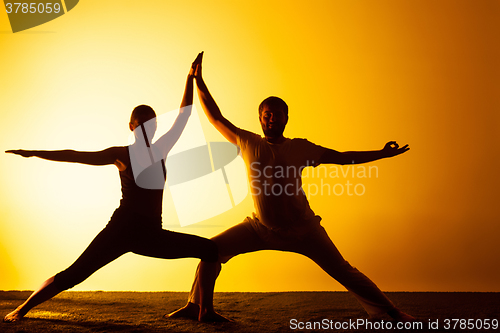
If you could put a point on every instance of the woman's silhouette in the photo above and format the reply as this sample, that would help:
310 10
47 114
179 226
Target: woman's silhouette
136 224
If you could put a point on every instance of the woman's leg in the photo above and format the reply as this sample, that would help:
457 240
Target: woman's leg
172 245
103 249
238 239
46 291
167 244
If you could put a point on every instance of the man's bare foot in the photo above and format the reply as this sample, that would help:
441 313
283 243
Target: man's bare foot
190 310
399 315
13 316
212 317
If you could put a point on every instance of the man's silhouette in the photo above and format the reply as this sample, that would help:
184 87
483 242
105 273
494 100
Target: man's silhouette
283 219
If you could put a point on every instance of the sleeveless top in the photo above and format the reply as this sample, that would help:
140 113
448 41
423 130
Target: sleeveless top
143 201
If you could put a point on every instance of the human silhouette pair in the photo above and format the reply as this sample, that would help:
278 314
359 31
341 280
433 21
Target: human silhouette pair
283 222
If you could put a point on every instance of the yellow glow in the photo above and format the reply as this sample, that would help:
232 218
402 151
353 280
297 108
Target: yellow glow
355 75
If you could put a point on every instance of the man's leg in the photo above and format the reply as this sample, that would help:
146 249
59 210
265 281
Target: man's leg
235 240
319 247
171 245
192 308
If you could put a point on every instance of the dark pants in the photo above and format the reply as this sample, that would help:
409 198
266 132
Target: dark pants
131 232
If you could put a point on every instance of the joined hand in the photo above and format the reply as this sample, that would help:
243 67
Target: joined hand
196 66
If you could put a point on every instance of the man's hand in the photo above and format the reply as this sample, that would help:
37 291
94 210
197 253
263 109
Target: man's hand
23 153
196 66
391 149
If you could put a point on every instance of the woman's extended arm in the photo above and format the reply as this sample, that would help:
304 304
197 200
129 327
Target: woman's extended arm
103 157
168 140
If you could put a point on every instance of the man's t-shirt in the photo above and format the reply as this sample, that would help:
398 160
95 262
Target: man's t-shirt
274 174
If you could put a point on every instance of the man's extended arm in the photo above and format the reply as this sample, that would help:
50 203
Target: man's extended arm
224 126
103 157
390 149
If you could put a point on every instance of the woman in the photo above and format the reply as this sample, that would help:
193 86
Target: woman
136 225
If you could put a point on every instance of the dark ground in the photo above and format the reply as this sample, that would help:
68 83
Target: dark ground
251 312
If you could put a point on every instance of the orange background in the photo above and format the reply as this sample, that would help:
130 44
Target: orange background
355 75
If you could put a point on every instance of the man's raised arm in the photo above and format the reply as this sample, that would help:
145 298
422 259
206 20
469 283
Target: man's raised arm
390 149
224 126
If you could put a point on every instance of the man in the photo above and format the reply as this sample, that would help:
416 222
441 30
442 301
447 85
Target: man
283 219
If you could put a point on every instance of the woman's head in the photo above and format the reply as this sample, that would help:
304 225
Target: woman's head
141 114
144 114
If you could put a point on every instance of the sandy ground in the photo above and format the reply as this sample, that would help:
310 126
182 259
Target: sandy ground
251 312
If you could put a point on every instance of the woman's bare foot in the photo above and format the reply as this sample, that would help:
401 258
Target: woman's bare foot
14 316
212 317
190 310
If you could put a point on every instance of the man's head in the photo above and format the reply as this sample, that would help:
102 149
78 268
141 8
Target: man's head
273 116
144 114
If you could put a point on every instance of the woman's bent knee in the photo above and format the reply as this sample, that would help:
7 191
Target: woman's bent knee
211 253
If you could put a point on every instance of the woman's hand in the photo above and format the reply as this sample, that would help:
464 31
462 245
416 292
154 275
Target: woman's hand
23 153
196 66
